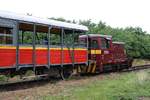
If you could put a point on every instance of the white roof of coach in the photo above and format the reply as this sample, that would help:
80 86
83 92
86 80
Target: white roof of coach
26 18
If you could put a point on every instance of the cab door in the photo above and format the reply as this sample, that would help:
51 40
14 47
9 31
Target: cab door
95 52
105 45
94 47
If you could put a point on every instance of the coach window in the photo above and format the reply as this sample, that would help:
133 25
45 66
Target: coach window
94 44
41 38
25 37
26 34
55 39
71 38
105 44
5 35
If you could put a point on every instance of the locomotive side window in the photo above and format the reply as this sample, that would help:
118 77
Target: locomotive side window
105 43
6 35
94 44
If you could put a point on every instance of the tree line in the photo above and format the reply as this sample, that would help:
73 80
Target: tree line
137 41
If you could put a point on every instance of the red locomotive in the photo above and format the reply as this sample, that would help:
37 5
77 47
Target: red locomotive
106 54
50 47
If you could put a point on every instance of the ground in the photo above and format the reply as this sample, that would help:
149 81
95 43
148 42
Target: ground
108 86
113 86
137 62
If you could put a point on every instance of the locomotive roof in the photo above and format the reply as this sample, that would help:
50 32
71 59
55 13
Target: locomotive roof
97 35
32 19
118 42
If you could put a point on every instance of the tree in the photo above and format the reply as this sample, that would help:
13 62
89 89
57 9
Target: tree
136 40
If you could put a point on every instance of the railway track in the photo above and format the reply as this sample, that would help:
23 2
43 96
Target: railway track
136 68
12 85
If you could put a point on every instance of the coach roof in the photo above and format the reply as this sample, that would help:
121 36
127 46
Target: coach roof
32 19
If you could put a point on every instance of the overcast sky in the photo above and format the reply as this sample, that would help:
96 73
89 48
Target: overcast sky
116 13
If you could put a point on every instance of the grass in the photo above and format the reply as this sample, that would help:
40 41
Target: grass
3 78
125 86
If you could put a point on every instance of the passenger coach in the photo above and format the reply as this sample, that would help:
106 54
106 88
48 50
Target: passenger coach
32 43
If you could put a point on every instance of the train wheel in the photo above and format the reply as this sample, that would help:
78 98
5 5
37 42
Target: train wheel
66 73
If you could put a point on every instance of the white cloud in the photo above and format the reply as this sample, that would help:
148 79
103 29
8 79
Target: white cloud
116 13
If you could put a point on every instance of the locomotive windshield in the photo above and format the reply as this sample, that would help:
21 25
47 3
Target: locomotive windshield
94 44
